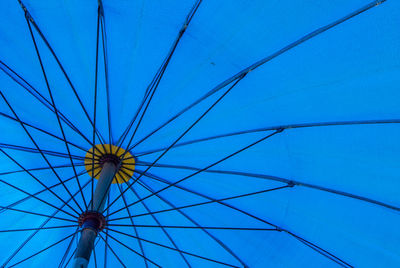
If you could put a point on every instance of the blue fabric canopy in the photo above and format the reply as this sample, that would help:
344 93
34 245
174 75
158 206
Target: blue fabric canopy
264 133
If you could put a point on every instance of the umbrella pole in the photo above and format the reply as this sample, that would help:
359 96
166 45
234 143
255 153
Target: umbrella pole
93 221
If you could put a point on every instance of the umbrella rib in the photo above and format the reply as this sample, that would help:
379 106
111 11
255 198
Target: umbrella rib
29 16
134 227
171 248
154 217
34 150
55 109
152 87
42 154
95 245
109 247
40 98
37 198
35 178
196 227
225 247
106 232
37 253
68 249
41 183
134 251
35 229
203 169
33 234
210 201
95 101
248 214
105 60
99 9
262 62
70 258
323 252
272 178
35 213
277 228
162 228
37 193
36 169
105 251
9 207
43 131
291 126
175 44
140 119
183 134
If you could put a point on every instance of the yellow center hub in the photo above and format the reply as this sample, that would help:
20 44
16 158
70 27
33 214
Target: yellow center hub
108 152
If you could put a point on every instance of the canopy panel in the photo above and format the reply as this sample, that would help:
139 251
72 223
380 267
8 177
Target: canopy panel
264 134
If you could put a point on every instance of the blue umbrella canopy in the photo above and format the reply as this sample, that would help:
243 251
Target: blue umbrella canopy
243 133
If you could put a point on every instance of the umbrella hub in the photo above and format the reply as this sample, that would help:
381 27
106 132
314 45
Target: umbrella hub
109 158
100 154
92 219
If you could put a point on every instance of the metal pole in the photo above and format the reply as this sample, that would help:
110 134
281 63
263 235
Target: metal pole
89 233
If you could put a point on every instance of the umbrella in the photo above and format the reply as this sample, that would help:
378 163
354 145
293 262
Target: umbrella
199 133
